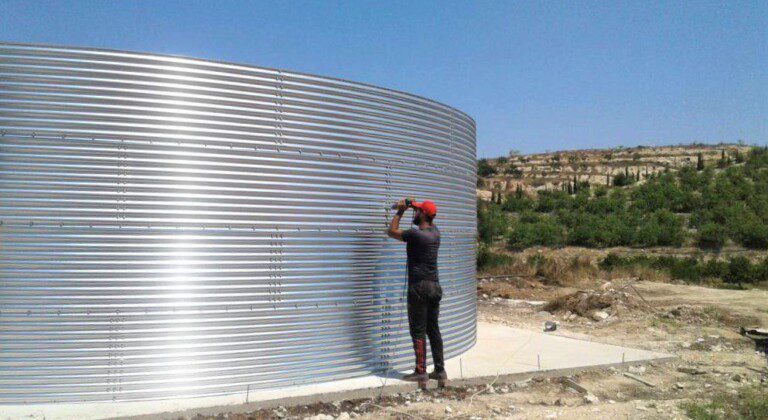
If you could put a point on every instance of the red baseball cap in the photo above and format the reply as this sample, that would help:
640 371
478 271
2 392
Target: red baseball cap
429 208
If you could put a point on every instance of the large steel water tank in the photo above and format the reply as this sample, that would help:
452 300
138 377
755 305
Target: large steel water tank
178 227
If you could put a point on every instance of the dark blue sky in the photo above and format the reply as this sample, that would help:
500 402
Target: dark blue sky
535 75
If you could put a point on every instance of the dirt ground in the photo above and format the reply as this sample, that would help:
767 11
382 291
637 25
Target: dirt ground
699 325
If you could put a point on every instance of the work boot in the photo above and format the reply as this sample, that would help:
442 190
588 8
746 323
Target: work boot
420 378
441 378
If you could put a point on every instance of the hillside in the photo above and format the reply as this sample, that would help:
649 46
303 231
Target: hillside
556 170
703 217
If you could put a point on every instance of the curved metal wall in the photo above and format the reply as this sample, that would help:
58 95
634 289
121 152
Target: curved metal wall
178 227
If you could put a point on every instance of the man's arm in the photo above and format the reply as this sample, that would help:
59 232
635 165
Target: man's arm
394 226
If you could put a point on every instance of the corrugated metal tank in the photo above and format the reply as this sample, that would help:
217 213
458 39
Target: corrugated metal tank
180 227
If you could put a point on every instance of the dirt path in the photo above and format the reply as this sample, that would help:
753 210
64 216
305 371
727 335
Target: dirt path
744 303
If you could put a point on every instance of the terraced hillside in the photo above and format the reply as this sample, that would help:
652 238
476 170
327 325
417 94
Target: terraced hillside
559 170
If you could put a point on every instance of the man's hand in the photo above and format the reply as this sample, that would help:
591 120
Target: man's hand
394 226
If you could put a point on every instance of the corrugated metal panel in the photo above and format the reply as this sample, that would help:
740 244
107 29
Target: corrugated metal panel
177 227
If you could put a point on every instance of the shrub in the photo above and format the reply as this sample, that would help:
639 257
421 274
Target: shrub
611 262
596 231
484 168
712 235
553 200
623 179
715 269
601 191
736 271
755 235
687 269
545 232
748 403
740 271
661 228
487 259
491 222
514 171
660 193
514 203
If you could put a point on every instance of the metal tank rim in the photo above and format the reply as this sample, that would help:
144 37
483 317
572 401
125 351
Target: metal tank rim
232 65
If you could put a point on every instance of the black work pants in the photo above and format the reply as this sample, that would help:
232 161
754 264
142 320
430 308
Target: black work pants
423 310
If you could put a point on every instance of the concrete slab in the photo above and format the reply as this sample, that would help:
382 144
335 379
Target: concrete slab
500 351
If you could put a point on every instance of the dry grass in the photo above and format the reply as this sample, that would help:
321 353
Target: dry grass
639 272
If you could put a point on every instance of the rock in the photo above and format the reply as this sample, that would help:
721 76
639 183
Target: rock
485 295
279 414
691 370
448 409
550 326
679 385
343 416
337 404
599 315
611 402
571 317
522 384
737 378
637 370
496 410
320 417
407 403
591 399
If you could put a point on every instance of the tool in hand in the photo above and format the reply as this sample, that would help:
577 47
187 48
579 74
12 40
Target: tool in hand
408 202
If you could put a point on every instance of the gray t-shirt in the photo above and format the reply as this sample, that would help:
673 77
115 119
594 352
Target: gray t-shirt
422 246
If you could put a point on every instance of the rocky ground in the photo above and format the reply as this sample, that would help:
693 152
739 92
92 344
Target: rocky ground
699 325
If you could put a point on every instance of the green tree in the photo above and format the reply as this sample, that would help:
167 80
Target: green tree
754 235
712 235
552 200
545 232
485 169
699 162
517 203
491 222
740 271
661 228
623 179
514 171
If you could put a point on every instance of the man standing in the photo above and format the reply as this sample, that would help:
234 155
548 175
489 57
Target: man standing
424 291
